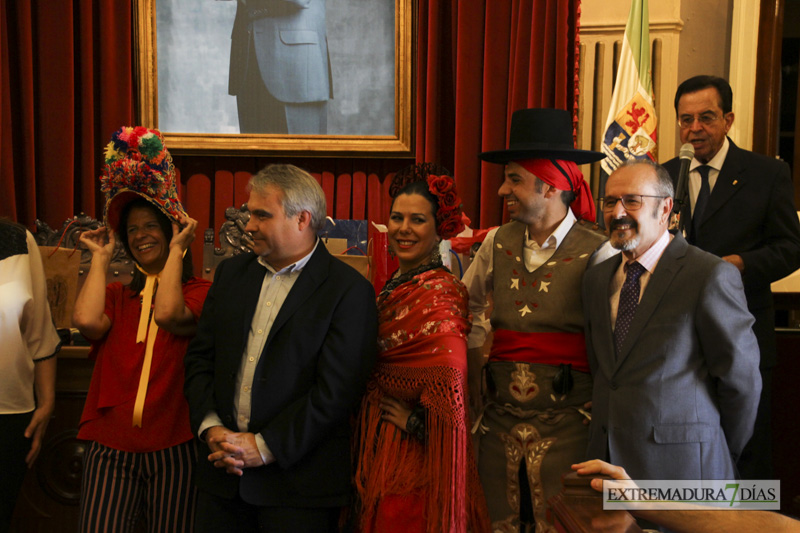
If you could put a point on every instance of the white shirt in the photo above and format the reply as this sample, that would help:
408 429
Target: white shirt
715 163
26 327
274 290
479 277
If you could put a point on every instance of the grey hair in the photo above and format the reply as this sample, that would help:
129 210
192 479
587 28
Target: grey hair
301 192
663 183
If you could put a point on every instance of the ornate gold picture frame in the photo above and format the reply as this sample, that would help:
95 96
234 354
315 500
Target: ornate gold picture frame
182 81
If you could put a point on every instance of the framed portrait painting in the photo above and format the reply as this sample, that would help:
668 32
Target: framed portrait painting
277 76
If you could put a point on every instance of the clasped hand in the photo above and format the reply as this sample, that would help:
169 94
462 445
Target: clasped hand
233 451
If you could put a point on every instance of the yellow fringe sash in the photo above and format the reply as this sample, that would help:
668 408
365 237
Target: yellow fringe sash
147 331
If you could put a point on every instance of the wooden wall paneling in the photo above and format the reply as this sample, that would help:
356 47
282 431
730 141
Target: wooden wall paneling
329 187
343 198
386 203
359 195
796 162
224 197
768 78
374 199
581 102
785 431
598 120
317 176
198 203
240 180
227 185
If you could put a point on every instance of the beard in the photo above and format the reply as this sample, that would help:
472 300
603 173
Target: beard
620 243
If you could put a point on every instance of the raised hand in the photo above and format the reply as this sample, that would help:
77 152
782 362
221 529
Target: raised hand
182 238
99 240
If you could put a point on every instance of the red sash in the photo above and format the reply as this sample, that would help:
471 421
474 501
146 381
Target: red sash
546 348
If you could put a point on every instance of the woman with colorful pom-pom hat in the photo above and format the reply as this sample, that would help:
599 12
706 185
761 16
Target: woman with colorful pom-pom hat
139 461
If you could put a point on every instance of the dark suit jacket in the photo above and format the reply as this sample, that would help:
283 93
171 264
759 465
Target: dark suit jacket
751 213
313 370
291 46
681 397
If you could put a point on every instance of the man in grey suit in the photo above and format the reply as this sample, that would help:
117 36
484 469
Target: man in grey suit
670 343
280 71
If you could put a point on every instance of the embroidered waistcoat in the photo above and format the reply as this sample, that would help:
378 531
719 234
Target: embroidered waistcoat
549 298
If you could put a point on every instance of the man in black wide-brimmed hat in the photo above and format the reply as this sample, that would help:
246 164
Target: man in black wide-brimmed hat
537 376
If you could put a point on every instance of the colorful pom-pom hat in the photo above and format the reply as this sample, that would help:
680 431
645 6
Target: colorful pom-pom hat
138 165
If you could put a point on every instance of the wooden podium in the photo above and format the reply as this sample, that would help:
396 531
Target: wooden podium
578 508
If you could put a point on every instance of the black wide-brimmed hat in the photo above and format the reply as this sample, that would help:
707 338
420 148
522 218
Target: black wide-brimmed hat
541 134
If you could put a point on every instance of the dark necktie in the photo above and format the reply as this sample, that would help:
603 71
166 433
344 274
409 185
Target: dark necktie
702 200
628 301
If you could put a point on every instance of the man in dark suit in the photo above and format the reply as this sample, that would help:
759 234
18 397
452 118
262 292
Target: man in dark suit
280 69
670 344
746 215
285 345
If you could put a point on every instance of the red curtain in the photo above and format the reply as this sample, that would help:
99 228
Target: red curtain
478 62
67 82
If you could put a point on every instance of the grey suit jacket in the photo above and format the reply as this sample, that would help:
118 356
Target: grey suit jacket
291 46
680 400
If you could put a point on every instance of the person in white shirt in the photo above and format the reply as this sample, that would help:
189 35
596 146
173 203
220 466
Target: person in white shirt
28 362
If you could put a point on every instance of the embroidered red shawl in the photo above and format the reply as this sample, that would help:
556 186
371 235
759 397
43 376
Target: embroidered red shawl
422 338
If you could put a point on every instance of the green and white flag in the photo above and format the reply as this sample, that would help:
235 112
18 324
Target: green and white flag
631 124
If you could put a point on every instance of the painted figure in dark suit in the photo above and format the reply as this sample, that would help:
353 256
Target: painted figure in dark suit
749 220
285 344
672 353
280 70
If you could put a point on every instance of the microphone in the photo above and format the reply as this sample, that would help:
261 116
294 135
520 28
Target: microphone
682 194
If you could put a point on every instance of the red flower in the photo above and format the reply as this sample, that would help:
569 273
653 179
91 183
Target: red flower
451 227
447 211
449 221
440 184
449 199
449 216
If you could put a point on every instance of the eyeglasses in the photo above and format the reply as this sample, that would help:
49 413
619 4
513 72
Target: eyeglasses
705 119
631 202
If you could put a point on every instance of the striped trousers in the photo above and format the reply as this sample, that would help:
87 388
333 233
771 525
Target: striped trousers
120 488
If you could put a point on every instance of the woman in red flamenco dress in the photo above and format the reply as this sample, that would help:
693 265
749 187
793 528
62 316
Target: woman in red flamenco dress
415 468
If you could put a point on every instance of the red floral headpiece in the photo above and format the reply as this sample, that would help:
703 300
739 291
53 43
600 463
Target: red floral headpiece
448 216
443 187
